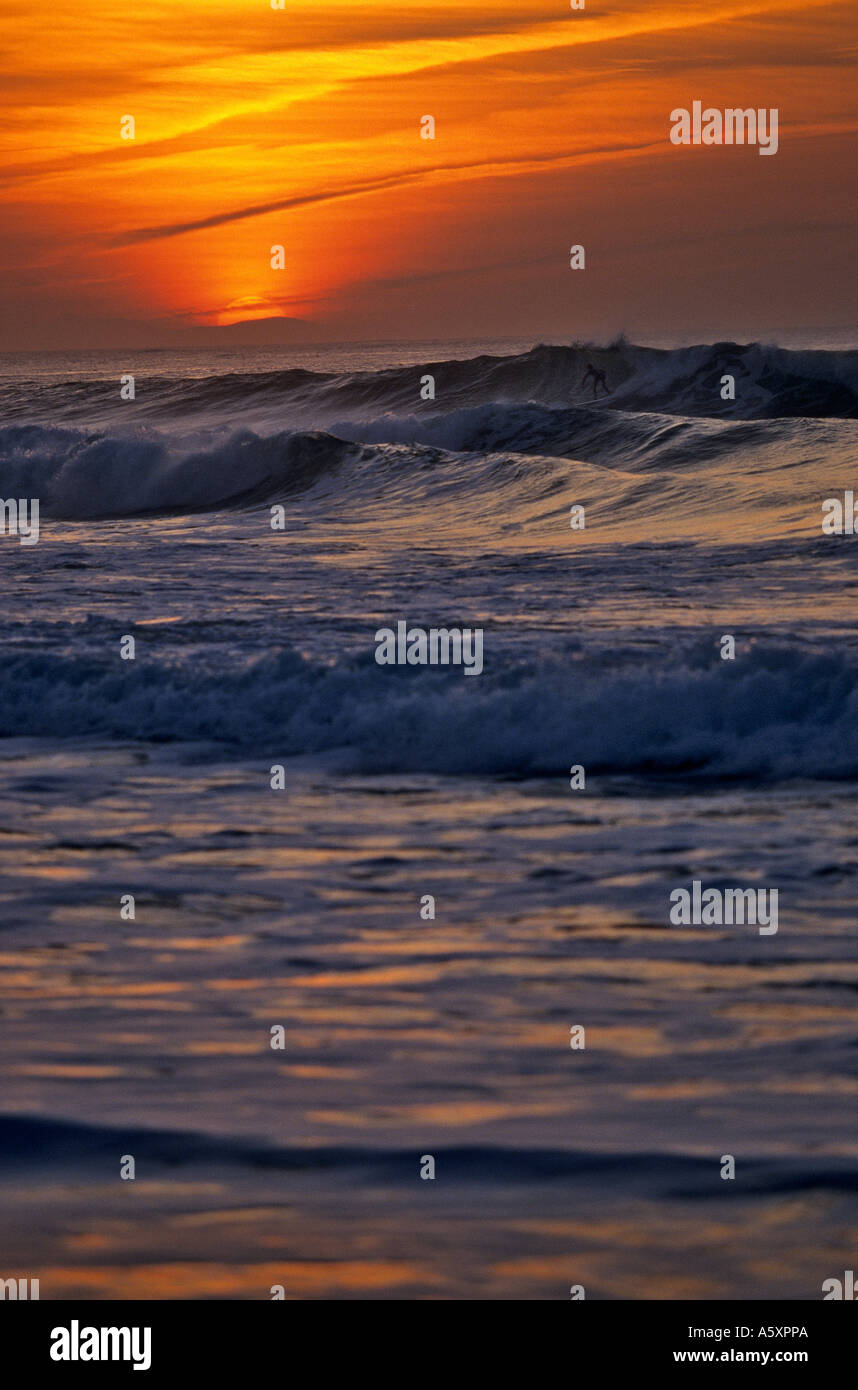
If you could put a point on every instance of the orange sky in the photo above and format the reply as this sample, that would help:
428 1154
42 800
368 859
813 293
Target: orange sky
301 127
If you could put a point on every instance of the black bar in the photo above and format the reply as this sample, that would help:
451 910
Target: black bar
244 1338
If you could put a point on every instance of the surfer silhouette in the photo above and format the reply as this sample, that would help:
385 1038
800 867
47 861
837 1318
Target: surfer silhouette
598 380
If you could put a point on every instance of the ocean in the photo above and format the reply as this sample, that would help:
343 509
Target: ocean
429 909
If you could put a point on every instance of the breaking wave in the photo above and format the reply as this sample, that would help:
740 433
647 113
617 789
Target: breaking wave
770 382
490 454
783 713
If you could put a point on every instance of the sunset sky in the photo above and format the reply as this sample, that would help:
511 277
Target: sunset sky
301 127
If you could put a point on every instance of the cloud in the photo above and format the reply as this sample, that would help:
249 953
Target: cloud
482 168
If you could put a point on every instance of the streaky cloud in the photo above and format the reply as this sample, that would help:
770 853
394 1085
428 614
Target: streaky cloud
368 186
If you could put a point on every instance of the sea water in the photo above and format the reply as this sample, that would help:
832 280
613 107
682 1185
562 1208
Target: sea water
409 1035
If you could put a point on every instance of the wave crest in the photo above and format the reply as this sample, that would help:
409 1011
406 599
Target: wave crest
79 475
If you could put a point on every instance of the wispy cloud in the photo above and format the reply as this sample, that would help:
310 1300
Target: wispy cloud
483 168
